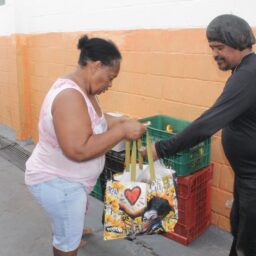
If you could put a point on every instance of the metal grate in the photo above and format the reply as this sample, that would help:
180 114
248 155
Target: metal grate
13 152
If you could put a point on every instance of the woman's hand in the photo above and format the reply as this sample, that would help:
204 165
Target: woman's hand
133 129
113 120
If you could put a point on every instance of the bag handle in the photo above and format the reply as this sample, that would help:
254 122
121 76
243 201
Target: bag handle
127 155
132 158
150 158
133 161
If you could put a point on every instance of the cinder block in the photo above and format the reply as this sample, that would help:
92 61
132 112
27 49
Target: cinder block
39 40
71 57
70 40
216 175
181 110
41 69
214 218
55 70
217 151
137 62
38 83
190 91
56 55
224 223
134 105
226 178
166 64
219 199
203 67
4 77
51 39
3 54
37 98
138 84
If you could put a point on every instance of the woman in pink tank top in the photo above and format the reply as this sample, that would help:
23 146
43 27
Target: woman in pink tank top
74 135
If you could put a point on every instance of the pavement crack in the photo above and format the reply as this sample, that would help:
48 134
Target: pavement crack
149 249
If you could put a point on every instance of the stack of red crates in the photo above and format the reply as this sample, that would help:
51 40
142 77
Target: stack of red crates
194 205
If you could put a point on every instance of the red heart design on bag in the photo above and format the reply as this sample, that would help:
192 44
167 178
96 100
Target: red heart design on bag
132 195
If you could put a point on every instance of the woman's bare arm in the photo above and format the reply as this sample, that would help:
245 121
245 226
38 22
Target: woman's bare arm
73 128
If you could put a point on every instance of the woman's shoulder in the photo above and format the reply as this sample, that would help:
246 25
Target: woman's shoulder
64 86
63 83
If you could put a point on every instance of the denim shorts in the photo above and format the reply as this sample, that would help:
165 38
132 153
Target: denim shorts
65 204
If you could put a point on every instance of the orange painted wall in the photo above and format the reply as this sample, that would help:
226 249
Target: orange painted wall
9 91
163 71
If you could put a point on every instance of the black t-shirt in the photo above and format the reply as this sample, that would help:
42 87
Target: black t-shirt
235 112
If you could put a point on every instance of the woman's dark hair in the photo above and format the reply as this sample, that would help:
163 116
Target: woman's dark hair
95 49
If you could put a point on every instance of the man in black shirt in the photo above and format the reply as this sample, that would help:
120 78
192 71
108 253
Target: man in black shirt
231 40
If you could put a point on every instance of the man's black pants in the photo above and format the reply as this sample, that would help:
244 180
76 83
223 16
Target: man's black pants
243 218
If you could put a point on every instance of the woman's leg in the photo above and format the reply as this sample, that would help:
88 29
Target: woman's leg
57 252
65 205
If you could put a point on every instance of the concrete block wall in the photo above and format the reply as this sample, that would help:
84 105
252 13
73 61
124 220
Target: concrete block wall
9 102
162 72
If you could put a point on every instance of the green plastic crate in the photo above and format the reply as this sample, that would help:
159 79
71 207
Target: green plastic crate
187 161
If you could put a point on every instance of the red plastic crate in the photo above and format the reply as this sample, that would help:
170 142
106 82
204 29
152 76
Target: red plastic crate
194 197
194 205
184 235
193 183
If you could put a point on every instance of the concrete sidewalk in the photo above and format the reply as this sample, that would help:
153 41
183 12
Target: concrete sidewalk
25 230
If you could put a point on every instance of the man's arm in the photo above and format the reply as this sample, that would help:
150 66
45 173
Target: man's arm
238 96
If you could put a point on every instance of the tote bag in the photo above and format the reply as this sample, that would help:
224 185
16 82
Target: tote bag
135 207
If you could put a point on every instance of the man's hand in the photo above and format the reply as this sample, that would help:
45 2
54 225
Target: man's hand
143 152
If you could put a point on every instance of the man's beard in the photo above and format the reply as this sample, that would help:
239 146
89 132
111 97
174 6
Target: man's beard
224 65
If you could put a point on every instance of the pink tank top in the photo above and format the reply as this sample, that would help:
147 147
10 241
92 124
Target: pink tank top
48 161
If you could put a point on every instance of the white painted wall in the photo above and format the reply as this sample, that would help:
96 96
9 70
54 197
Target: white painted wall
7 25
38 16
